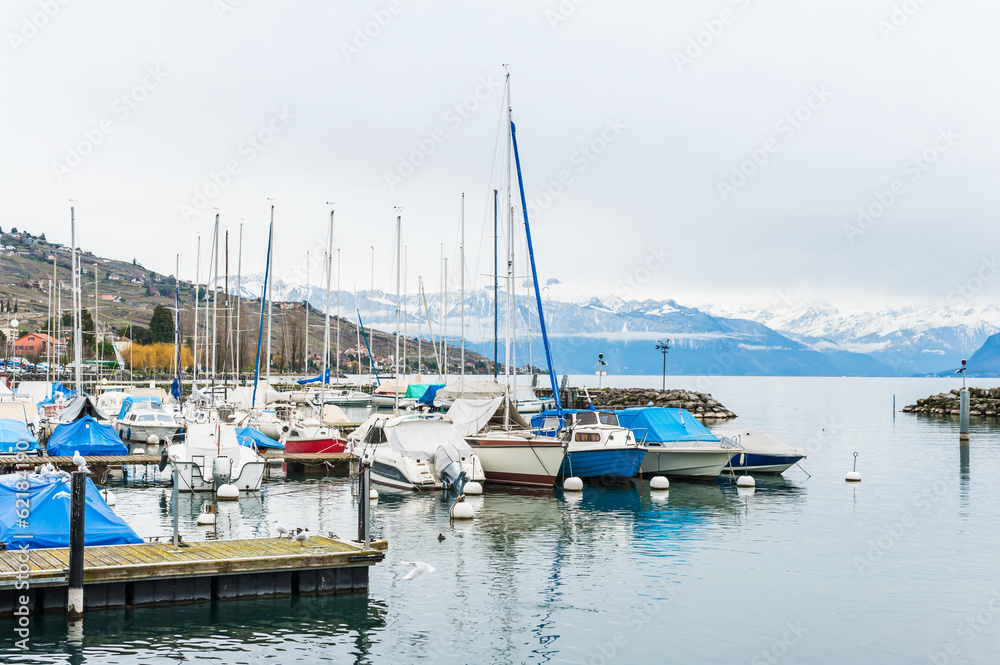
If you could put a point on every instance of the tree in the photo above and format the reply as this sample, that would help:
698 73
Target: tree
42 238
161 326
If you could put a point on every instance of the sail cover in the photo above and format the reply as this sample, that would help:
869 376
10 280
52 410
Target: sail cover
87 436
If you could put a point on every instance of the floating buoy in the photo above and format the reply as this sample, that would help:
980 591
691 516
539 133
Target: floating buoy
138 451
854 476
373 494
228 492
659 483
109 497
472 487
745 481
573 484
460 510
152 439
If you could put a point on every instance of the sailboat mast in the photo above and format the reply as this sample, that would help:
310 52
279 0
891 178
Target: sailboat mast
229 314
399 271
326 324
177 329
405 274
496 284
77 335
371 322
336 360
197 297
461 271
270 298
510 268
260 325
215 300
239 302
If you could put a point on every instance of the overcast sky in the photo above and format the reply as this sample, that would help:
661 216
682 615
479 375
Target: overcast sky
130 108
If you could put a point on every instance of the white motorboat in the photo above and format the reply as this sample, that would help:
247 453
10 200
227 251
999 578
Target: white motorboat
677 444
416 451
762 453
143 418
211 456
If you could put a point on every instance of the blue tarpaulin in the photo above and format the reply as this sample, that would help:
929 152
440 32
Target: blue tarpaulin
249 437
87 436
136 399
665 425
430 394
47 522
13 432
315 379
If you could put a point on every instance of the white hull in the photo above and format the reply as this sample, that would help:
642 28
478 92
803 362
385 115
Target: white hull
689 463
389 401
516 459
141 433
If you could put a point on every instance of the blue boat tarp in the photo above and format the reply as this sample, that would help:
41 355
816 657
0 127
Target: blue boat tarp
48 514
664 425
430 393
132 400
15 437
87 436
249 437
315 379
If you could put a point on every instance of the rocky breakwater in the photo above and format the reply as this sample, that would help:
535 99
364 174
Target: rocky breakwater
983 402
702 405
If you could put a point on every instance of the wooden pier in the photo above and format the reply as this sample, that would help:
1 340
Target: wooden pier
153 573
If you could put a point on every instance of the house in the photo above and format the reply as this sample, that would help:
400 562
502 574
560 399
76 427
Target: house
36 344
107 297
114 277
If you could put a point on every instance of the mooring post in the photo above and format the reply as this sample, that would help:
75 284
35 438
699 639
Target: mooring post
174 507
364 504
74 604
963 416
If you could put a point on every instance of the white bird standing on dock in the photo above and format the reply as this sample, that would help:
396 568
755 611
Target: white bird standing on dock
419 569
301 537
282 531
81 464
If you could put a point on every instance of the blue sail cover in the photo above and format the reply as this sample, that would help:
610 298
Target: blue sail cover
136 399
249 437
87 436
430 394
13 432
48 515
664 425
315 379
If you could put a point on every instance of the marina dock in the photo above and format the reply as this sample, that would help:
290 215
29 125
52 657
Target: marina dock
154 574
337 463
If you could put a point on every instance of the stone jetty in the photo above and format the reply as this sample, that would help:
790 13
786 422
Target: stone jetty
702 405
983 403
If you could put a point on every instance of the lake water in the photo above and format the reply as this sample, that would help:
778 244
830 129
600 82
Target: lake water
902 567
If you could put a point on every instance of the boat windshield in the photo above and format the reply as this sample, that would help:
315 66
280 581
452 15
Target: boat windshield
595 417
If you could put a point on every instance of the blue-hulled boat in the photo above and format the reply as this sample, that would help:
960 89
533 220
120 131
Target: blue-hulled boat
762 453
597 445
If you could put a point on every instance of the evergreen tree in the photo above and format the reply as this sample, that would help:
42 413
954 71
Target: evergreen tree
161 326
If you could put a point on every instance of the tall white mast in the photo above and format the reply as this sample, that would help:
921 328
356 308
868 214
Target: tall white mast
399 271
371 325
215 298
77 334
305 364
444 332
326 325
197 294
270 303
510 265
239 302
405 274
461 270
336 360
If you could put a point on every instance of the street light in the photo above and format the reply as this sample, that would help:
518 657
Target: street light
663 347
600 369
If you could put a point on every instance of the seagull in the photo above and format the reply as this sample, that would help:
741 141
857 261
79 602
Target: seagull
81 464
301 537
282 531
419 569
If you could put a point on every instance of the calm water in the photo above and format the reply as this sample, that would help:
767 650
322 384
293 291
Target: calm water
901 568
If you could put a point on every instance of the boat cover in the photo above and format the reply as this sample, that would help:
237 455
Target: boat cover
334 415
251 438
79 407
316 379
664 425
430 393
13 432
415 391
421 437
471 416
48 519
243 396
87 436
134 400
472 390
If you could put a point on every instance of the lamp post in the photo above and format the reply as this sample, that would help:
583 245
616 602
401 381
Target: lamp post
663 347
600 369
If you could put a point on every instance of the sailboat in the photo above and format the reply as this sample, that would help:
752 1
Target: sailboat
414 451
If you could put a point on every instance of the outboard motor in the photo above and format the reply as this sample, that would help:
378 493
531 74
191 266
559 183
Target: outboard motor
448 462
222 468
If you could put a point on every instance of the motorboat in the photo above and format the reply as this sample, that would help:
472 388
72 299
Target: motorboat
677 444
145 420
509 451
528 403
386 397
416 451
211 456
762 453
596 444
312 436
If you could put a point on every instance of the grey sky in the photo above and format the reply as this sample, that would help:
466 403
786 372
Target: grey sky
211 74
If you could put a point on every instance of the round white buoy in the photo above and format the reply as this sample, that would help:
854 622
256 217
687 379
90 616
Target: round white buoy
138 451
373 494
109 497
460 510
745 481
573 484
152 439
853 477
206 519
228 492
659 483
473 488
